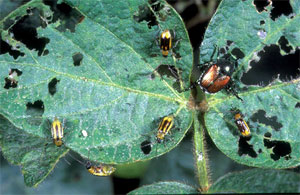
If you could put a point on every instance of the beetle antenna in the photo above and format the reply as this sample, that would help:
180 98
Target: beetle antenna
75 158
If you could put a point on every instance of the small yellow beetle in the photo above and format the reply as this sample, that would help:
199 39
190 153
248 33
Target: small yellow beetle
57 132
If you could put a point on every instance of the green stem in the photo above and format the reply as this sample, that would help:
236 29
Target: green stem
200 154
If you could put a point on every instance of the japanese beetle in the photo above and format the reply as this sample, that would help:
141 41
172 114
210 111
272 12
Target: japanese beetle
216 75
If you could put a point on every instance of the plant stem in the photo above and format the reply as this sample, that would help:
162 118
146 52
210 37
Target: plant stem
200 154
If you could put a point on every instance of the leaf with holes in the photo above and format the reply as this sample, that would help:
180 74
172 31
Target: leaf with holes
258 181
95 65
165 188
270 109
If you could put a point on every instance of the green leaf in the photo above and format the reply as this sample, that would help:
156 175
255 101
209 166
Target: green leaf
258 181
114 92
36 155
165 188
271 145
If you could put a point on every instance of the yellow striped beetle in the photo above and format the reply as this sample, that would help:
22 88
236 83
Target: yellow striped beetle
57 132
241 123
97 170
165 42
100 170
164 127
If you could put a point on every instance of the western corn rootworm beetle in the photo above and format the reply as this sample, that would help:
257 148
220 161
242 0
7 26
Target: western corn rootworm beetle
164 128
97 170
216 75
241 123
57 132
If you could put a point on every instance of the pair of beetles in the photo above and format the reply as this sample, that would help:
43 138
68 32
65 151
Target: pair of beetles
216 75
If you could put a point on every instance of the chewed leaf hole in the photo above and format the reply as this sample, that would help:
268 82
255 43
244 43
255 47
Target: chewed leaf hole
261 5
167 70
271 64
52 86
284 44
68 16
245 148
77 59
146 14
297 105
12 80
146 147
24 30
238 53
279 148
280 8
35 111
170 72
6 48
260 116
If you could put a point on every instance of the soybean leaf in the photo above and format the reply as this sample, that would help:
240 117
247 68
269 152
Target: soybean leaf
165 188
96 68
258 181
270 109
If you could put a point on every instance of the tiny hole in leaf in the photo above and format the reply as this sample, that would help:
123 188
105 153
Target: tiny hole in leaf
297 105
146 147
262 22
229 42
77 59
45 52
52 86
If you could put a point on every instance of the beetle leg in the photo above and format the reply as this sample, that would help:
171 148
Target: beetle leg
230 89
176 43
